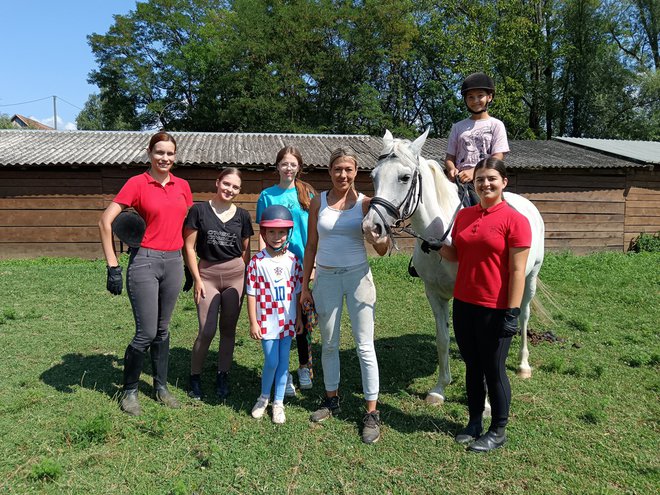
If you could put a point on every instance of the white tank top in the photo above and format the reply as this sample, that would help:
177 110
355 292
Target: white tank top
340 235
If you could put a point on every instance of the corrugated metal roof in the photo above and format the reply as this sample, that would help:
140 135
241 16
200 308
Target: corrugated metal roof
641 151
26 148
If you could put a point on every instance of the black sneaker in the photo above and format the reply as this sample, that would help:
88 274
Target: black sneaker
371 429
195 387
222 384
329 406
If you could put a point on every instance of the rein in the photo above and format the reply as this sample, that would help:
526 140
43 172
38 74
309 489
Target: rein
407 208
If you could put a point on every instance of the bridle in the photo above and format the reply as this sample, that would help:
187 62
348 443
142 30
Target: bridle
406 208
404 211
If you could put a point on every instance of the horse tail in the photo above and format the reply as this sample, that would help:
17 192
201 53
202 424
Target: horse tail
539 309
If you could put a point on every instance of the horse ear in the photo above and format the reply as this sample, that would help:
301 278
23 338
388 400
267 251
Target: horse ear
388 141
418 144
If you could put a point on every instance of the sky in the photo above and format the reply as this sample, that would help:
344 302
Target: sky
45 53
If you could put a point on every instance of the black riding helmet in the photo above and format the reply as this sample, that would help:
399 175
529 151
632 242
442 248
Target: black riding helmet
478 80
129 227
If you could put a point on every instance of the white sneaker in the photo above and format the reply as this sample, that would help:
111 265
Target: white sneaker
260 407
278 414
290 390
304 378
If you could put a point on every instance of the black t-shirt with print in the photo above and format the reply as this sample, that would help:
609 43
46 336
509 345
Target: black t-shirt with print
218 241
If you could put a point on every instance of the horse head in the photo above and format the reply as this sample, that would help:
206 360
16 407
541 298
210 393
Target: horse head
404 180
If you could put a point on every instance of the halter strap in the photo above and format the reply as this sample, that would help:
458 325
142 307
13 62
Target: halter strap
406 209
401 216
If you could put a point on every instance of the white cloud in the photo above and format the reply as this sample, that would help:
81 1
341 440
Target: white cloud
61 125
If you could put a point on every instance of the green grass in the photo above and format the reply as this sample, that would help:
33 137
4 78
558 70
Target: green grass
587 421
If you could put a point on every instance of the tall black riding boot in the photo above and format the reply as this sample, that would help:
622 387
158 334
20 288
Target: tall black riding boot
160 354
133 360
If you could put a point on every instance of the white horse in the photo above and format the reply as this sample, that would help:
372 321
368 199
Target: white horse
407 186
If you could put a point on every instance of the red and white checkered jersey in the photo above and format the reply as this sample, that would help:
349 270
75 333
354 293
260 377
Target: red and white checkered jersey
274 282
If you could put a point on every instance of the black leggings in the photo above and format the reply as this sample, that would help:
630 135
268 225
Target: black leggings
477 331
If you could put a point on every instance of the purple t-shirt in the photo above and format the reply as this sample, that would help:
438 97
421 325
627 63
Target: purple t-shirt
470 141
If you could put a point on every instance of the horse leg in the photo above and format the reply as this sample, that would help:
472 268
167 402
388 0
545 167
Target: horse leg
440 309
524 369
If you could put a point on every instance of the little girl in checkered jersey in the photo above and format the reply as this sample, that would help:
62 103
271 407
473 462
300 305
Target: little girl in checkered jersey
273 286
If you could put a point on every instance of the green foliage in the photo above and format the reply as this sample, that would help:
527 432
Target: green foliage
95 117
341 67
646 243
47 470
5 122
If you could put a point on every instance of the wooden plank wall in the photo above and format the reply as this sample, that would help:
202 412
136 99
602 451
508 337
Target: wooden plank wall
583 210
642 204
54 211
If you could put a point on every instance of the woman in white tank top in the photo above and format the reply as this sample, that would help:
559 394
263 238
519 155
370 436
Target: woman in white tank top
335 243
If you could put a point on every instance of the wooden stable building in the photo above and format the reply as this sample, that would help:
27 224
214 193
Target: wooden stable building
55 184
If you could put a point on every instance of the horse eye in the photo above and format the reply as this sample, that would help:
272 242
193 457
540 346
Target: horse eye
404 178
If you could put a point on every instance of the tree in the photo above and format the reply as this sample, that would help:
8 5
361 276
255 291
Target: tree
94 117
573 67
5 122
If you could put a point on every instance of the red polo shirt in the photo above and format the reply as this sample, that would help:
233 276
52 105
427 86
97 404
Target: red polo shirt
482 238
163 208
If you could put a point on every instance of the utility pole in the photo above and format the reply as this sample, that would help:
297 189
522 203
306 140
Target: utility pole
55 112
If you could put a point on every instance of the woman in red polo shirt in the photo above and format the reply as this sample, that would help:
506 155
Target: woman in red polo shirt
491 244
155 269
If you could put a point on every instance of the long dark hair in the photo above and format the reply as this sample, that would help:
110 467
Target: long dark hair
305 191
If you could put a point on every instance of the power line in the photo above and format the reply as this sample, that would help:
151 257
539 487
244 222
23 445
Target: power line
26 102
41 99
68 102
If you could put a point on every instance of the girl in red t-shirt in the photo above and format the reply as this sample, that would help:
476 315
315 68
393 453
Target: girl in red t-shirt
155 268
491 244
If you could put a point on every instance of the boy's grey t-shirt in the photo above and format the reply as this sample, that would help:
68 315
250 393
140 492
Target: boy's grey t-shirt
470 141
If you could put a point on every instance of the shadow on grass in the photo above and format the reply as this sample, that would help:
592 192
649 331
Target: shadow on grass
402 360
103 373
97 372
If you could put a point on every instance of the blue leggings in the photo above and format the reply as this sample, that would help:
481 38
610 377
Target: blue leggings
276 366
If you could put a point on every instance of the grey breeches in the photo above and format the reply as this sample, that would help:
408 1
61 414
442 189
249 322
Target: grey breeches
153 282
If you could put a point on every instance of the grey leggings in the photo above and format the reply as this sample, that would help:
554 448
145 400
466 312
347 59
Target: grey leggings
223 283
153 282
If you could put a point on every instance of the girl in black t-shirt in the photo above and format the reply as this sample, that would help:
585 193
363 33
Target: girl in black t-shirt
218 232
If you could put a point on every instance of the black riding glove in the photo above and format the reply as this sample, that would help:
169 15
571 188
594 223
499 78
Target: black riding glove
510 323
189 279
114 283
432 244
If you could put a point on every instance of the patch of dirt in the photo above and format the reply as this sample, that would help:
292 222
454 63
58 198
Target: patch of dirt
536 338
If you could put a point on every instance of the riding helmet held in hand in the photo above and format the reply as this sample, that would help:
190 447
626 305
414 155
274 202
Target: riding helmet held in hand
129 227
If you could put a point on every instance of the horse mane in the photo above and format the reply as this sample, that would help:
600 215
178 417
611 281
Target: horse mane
444 189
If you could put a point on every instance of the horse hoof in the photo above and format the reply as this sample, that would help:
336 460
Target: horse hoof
435 399
524 373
